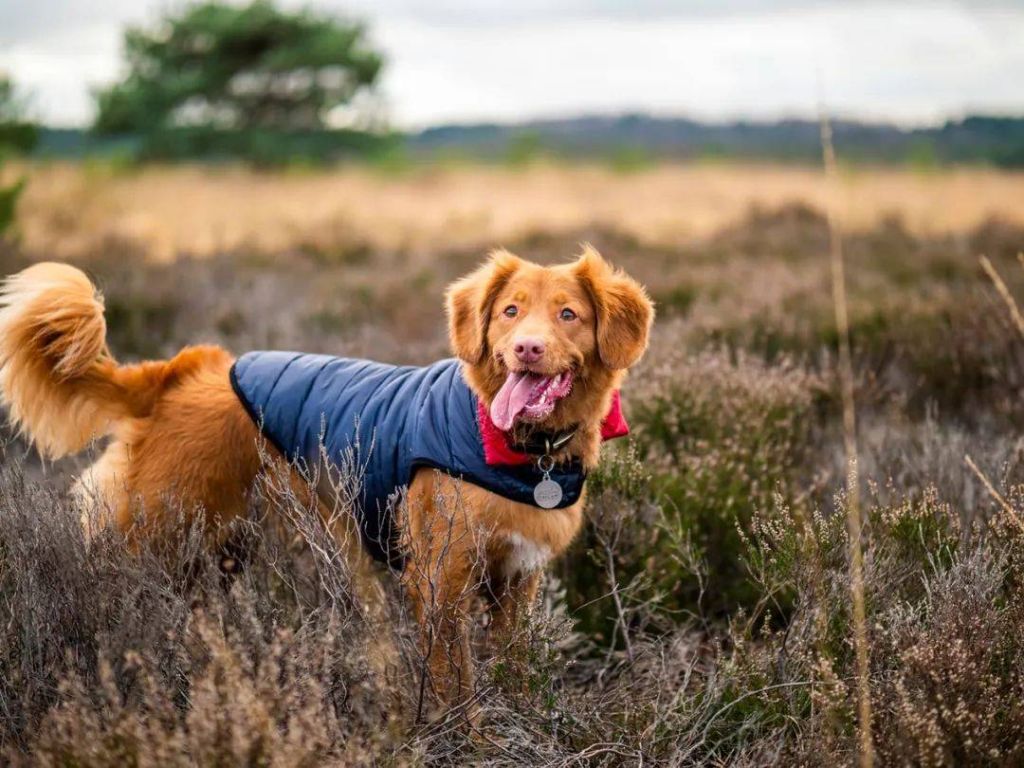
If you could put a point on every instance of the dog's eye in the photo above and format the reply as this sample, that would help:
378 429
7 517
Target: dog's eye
567 314
511 310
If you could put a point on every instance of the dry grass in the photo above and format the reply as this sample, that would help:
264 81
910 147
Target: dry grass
69 211
854 523
703 617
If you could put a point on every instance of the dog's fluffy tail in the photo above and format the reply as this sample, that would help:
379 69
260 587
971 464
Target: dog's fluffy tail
58 380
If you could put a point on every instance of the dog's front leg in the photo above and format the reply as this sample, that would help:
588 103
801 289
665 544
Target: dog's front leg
442 572
440 599
513 598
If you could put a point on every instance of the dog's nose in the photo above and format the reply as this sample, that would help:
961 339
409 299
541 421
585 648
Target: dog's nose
529 350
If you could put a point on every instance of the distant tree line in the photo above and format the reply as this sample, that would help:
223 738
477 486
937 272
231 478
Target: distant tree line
628 142
997 141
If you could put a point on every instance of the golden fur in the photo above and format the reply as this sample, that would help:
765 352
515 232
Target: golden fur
177 430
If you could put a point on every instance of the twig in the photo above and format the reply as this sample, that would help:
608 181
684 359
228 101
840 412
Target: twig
993 492
622 620
1004 292
853 516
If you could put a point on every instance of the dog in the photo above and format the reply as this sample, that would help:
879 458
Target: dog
474 474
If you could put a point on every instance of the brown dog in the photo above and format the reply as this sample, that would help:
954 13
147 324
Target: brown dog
543 349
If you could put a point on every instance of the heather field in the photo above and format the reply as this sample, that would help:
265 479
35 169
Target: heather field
704 615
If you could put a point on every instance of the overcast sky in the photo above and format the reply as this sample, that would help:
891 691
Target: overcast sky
467 60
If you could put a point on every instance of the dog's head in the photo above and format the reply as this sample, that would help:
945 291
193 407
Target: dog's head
545 347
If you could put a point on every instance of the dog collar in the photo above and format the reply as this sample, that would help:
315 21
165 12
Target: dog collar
498 450
544 443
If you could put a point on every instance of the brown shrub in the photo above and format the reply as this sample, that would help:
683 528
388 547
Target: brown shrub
701 619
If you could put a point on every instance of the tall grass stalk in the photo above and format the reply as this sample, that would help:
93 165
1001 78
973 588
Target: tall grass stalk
996 496
1018 322
1004 292
853 512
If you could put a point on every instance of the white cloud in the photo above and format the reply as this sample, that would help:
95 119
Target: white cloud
917 62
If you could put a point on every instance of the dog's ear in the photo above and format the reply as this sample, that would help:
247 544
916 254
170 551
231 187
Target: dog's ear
469 301
624 311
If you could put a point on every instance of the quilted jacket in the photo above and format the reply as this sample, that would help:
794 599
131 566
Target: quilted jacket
387 421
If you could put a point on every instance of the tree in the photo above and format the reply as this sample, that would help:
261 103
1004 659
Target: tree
221 69
16 136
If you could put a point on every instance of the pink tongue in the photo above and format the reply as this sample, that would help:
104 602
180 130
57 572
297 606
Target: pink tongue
512 398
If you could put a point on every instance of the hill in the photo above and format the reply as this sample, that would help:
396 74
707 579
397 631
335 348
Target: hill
993 140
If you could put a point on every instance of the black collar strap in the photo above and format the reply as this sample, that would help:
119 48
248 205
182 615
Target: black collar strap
544 443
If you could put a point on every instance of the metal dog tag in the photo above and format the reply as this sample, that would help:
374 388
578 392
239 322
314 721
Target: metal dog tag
547 493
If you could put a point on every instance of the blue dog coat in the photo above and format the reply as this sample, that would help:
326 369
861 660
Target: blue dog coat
386 421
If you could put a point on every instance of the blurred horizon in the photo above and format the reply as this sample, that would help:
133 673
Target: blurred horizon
459 62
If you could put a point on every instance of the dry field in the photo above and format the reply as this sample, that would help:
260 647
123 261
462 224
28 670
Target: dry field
704 615
165 212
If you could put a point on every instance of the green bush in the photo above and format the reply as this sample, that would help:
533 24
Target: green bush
722 439
715 440
16 136
8 200
943 622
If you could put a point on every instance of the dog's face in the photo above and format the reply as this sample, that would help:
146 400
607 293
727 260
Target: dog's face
547 345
